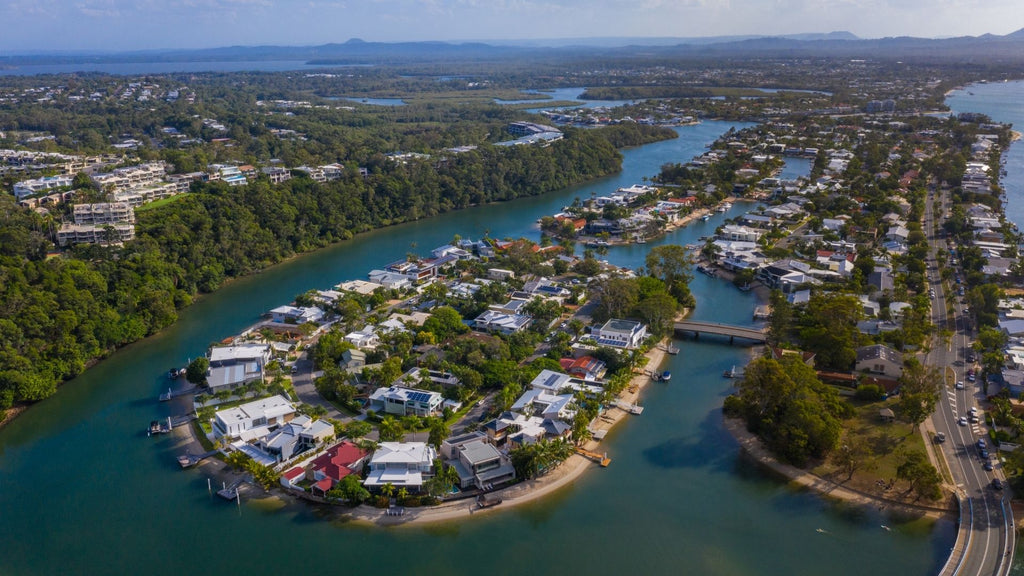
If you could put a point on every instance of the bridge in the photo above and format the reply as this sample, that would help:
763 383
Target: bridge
753 334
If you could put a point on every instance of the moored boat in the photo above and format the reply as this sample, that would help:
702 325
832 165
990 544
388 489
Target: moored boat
665 376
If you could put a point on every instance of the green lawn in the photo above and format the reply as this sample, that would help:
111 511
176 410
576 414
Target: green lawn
887 440
159 203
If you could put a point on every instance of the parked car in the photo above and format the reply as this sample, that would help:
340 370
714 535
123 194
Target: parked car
982 444
984 454
997 484
940 437
987 465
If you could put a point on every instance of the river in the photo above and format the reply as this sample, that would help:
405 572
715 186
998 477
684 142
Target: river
84 491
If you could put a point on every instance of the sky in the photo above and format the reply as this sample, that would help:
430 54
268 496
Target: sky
28 26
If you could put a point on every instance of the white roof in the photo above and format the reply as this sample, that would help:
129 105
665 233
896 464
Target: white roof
272 407
240 352
403 453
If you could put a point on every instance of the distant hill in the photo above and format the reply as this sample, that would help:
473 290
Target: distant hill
966 49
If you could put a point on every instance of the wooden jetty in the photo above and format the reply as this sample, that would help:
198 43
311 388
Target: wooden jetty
188 459
230 492
171 394
631 408
172 422
601 459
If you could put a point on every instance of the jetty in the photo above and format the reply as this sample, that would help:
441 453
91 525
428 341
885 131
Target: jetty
627 407
172 394
230 491
166 426
601 459
188 459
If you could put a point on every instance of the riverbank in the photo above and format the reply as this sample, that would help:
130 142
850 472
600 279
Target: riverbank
752 446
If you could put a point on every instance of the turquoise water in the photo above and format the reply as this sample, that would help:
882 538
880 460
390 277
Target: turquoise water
84 491
563 94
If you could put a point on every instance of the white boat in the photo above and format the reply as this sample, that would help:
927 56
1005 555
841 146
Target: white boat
706 217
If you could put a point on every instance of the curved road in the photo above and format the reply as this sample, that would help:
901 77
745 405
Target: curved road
985 538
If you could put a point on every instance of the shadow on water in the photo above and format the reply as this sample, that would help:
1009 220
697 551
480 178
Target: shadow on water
707 450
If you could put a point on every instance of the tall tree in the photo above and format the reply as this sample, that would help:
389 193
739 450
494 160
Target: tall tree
672 264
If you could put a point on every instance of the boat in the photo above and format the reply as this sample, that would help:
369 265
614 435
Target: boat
733 373
641 241
706 217
665 376
673 350
174 373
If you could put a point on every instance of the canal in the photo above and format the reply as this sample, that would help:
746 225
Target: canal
83 490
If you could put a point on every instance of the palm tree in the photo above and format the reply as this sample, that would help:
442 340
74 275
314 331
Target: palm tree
387 490
403 493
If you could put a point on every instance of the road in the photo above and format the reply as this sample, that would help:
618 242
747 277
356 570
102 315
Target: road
985 539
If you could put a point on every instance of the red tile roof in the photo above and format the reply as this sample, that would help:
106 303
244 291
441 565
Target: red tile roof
293 473
324 485
337 462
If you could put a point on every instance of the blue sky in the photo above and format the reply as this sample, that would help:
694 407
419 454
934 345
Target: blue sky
35 25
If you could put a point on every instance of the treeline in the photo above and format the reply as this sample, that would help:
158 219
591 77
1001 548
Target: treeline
58 314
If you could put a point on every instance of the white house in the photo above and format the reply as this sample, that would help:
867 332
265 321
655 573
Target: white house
494 321
364 338
296 314
404 401
401 464
269 412
740 233
232 366
621 333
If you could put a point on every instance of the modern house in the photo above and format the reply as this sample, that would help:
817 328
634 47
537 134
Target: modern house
268 412
300 435
364 338
617 333
405 401
586 367
501 322
401 464
480 465
233 366
296 314
543 404
879 359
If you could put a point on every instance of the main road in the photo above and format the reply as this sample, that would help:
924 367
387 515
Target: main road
985 538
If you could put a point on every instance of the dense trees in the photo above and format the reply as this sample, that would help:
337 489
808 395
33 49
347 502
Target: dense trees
59 314
785 404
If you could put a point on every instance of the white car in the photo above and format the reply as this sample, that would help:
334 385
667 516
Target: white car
959 384
962 421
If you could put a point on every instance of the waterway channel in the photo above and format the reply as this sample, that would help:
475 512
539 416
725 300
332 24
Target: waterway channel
84 491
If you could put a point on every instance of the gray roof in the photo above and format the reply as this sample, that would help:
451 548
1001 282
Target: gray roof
879 351
479 451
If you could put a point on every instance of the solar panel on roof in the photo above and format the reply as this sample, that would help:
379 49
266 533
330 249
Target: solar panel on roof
419 396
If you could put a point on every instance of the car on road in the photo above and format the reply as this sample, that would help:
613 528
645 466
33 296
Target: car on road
981 444
987 465
971 358
997 484
984 454
959 384
962 421
940 437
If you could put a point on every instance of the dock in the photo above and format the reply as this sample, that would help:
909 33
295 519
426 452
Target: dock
230 492
188 459
166 426
172 394
601 459
631 408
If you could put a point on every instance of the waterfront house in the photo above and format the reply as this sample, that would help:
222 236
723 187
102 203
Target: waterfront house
617 333
480 465
233 366
333 465
267 412
555 382
879 359
405 401
300 435
296 314
401 464
586 367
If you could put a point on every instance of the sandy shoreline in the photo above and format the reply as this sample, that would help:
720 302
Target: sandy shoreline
752 447
562 476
